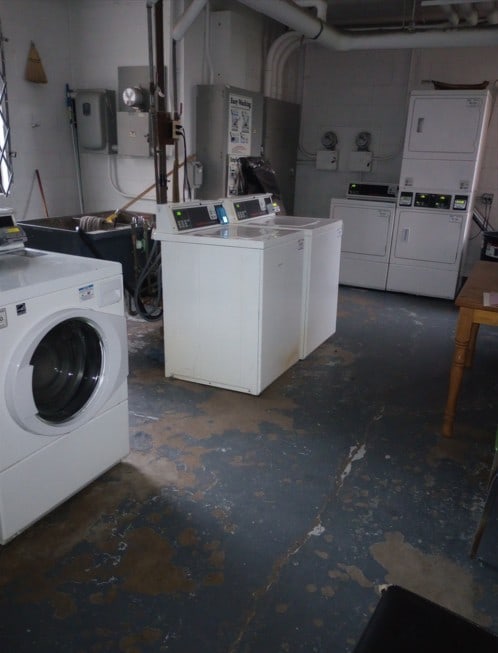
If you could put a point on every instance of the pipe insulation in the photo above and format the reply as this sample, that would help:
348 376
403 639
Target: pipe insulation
313 28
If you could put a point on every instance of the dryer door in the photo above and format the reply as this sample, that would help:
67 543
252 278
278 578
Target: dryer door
66 371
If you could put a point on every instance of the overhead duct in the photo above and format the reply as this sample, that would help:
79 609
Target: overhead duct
313 28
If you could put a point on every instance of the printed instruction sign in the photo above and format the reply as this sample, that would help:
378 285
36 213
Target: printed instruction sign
239 128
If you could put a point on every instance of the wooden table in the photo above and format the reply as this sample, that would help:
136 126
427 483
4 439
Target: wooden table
483 278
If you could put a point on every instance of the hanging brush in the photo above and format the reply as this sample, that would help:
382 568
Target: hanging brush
34 67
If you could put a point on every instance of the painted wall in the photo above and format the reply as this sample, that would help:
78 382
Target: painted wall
40 131
350 92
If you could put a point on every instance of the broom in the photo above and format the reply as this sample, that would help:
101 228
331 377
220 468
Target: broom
34 68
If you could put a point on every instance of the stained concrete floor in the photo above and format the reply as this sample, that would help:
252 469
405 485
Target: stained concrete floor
243 524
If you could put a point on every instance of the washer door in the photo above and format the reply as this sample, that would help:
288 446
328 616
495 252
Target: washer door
66 370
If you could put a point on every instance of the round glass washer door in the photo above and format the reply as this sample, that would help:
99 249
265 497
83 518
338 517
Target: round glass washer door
67 367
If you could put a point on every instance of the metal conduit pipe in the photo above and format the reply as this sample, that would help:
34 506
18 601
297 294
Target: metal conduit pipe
313 28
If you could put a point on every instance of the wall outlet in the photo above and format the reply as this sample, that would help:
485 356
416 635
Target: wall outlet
326 160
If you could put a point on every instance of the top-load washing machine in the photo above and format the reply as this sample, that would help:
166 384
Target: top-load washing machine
231 296
63 380
322 255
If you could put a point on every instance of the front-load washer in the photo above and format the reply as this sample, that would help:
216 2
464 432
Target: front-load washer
322 256
63 380
232 298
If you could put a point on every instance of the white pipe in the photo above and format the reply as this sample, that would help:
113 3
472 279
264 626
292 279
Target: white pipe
451 14
315 29
469 14
279 82
319 5
273 53
280 60
187 18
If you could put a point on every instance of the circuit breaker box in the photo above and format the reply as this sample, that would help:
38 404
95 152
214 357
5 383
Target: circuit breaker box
96 120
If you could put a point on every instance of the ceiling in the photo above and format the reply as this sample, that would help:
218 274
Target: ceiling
407 14
351 15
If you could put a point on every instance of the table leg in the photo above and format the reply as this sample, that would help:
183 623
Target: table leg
469 358
463 338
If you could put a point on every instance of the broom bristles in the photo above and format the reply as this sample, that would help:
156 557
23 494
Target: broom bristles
34 67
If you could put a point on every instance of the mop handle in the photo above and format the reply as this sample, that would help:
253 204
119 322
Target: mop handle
41 192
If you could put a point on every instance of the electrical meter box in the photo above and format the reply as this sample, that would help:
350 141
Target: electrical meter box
96 120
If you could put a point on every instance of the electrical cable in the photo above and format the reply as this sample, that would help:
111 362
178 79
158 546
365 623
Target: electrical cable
153 310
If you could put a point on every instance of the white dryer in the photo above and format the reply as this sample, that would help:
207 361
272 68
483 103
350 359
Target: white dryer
232 299
322 255
63 380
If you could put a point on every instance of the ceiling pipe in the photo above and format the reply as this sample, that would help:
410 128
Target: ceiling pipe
451 14
319 5
468 13
187 18
315 29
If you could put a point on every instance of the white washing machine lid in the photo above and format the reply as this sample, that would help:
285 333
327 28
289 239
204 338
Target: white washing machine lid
252 236
294 222
33 273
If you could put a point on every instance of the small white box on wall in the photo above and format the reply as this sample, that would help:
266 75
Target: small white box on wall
326 159
360 161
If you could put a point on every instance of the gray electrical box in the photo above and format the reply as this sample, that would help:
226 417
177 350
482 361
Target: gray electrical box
134 124
229 126
96 120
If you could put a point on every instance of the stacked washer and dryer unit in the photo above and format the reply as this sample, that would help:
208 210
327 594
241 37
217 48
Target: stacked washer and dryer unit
63 380
419 246
234 293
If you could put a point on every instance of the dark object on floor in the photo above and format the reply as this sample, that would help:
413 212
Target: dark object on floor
408 623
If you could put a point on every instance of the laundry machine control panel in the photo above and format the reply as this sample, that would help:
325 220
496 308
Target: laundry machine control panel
245 207
12 236
187 216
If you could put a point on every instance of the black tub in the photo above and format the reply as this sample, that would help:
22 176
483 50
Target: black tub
114 243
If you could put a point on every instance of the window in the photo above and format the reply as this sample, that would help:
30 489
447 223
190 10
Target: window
6 172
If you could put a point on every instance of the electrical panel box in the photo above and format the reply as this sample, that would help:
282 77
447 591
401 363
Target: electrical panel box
133 119
134 133
96 120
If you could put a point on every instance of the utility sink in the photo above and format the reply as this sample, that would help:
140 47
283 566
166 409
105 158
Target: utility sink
127 241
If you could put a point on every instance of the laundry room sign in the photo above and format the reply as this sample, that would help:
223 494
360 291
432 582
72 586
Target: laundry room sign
239 128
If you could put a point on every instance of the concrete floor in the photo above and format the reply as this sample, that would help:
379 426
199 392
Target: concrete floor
243 524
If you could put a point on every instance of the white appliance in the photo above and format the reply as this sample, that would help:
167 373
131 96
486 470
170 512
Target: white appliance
232 299
367 215
63 380
322 253
442 155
